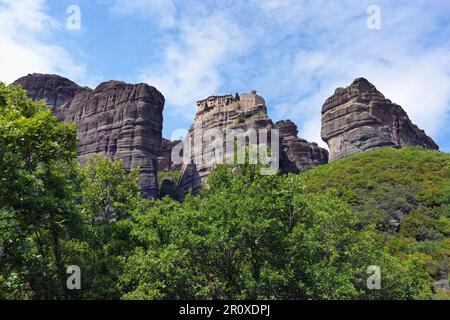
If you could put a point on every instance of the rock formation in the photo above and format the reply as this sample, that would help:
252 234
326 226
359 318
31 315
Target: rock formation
165 163
248 111
116 119
360 118
55 90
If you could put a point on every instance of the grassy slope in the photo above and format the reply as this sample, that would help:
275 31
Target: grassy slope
404 193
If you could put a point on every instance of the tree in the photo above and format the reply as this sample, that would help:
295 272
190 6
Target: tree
259 237
248 236
408 201
37 208
108 197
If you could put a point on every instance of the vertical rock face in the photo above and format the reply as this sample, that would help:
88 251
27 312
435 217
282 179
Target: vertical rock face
221 113
56 91
298 154
165 163
116 119
360 118
247 112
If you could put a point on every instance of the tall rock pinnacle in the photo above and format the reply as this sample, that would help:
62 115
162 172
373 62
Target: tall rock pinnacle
244 112
360 118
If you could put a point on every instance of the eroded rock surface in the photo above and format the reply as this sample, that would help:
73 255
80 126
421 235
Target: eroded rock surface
55 90
165 163
359 118
117 120
298 154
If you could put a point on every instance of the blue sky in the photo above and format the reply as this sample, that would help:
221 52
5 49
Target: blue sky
294 52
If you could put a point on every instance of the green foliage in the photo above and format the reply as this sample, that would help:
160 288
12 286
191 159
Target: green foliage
108 191
109 195
37 208
169 190
175 175
54 214
387 183
242 119
261 237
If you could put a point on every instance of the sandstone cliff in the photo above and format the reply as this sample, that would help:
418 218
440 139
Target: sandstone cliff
246 112
116 119
165 163
360 118
298 154
55 90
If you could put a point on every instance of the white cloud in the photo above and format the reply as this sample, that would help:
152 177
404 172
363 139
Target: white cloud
419 83
296 52
23 25
189 70
407 60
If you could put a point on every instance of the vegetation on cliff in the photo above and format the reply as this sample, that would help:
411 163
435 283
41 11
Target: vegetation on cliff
403 193
307 236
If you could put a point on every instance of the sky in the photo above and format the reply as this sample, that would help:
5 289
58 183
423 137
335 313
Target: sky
295 53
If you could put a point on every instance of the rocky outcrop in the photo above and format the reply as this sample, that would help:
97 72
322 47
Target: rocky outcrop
165 163
359 118
217 112
55 90
247 111
298 154
116 119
